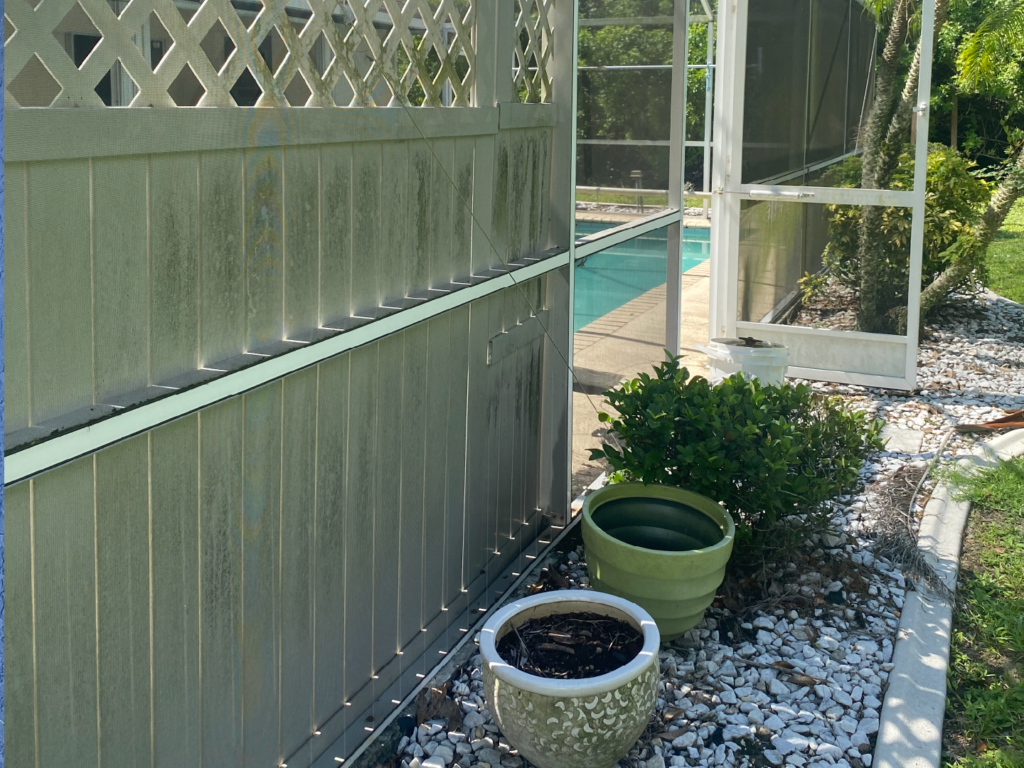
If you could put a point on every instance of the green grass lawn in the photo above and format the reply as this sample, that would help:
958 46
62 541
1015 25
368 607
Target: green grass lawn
1006 257
985 699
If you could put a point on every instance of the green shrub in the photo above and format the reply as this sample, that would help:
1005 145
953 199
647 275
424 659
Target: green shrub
766 452
954 199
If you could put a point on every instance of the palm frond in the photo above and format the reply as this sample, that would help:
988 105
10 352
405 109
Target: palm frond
999 40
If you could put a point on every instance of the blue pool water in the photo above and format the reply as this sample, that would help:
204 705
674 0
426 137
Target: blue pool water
607 280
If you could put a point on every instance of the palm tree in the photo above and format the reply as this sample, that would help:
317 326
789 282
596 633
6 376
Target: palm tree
998 41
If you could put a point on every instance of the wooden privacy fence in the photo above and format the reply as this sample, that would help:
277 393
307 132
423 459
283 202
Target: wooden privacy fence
241 583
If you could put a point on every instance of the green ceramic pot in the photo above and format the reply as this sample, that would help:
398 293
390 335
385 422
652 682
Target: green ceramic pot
661 547
587 723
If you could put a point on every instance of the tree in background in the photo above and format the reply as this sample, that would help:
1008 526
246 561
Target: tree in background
981 119
631 104
990 60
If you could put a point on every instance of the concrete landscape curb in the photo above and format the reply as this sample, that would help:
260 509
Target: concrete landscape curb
910 730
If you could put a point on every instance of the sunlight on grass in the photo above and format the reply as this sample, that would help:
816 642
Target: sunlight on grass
1006 257
985 705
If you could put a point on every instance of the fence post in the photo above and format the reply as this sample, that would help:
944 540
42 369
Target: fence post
504 57
485 38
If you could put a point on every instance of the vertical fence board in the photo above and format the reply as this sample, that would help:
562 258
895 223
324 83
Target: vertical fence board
519 439
410 553
529 205
221 582
122 569
436 472
499 233
121 332
394 232
361 506
506 436
519 192
441 196
531 448
554 430
421 163
19 679
221 256
264 260
301 239
483 203
261 523
366 220
176 583
64 562
546 186
16 406
500 423
298 498
60 304
477 442
329 541
456 468
387 518
336 232
462 213
173 265
538 195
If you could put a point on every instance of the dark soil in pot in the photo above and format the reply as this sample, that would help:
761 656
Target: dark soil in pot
657 524
570 646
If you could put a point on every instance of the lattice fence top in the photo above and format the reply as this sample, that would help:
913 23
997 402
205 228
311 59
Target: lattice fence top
530 74
278 53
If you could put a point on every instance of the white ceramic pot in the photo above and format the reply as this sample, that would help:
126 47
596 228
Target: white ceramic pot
587 723
765 361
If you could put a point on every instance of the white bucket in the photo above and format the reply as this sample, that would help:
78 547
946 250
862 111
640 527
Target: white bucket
764 361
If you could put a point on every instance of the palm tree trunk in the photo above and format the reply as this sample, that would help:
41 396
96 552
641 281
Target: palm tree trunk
871 316
881 158
885 93
896 137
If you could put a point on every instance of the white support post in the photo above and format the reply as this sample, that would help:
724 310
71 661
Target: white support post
924 86
709 108
677 161
726 165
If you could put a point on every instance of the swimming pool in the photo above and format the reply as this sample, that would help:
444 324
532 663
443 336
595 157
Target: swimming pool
607 280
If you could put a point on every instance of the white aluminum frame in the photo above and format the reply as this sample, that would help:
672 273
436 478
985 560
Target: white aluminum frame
677 143
728 190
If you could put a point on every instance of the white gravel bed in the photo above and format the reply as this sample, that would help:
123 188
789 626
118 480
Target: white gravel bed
799 678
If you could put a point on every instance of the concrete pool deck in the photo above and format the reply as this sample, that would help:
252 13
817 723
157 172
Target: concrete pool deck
620 345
